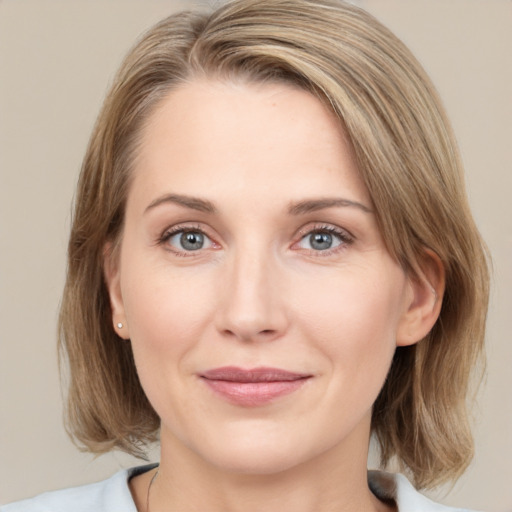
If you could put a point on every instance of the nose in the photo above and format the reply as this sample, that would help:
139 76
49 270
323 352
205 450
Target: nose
253 298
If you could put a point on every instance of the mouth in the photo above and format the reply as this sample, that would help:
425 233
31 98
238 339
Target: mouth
253 387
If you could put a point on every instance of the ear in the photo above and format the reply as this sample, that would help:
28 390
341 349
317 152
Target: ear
425 297
111 269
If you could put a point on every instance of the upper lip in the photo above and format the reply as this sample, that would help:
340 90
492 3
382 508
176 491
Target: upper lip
259 374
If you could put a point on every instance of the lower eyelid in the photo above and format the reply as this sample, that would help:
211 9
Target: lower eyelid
344 239
178 231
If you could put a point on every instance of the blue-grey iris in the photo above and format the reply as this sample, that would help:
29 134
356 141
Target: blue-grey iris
192 241
321 241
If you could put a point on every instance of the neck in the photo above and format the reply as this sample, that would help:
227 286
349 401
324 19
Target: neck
333 480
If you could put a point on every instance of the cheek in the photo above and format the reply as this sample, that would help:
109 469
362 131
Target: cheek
166 310
354 317
167 314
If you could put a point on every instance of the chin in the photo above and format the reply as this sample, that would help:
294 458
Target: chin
260 451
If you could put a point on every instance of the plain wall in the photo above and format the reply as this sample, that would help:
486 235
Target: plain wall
56 61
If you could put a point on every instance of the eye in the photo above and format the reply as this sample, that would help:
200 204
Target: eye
324 239
319 241
183 240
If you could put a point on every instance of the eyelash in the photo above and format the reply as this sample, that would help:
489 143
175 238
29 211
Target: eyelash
169 233
344 236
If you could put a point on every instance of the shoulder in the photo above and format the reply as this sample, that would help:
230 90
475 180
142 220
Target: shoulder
396 487
110 495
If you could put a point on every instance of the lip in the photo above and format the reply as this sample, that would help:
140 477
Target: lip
253 387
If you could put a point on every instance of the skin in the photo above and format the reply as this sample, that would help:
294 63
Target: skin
259 293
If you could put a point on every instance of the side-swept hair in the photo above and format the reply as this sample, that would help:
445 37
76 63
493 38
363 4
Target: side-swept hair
407 156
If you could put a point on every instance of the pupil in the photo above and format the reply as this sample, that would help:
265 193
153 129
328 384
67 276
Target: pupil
192 241
321 241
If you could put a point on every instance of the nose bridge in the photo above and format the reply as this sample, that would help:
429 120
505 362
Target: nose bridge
253 306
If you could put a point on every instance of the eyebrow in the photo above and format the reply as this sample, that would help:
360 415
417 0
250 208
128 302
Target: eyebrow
194 203
313 205
297 208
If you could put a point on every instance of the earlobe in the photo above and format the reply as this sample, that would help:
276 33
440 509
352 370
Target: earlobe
112 279
425 300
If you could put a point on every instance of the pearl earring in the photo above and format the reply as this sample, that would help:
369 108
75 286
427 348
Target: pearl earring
120 325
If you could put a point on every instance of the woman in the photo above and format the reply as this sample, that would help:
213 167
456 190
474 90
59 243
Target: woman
272 258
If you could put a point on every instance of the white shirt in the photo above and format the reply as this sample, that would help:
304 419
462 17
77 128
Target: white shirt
113 495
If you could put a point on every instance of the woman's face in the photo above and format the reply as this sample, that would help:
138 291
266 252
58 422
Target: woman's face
253 282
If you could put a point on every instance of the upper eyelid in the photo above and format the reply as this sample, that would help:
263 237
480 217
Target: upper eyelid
326 226
299 234
173 230
183 227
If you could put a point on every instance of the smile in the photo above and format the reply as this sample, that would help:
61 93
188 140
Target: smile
254 387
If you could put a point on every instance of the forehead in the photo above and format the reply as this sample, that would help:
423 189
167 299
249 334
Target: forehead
244 138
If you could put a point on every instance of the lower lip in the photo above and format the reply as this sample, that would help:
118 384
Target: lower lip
253 394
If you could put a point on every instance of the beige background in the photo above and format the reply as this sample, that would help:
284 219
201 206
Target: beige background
56 61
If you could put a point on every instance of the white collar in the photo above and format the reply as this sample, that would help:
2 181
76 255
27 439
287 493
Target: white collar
395 487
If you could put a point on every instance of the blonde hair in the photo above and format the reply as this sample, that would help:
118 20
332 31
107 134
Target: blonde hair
407 156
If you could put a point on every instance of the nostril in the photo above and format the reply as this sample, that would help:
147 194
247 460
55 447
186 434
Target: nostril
250 335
